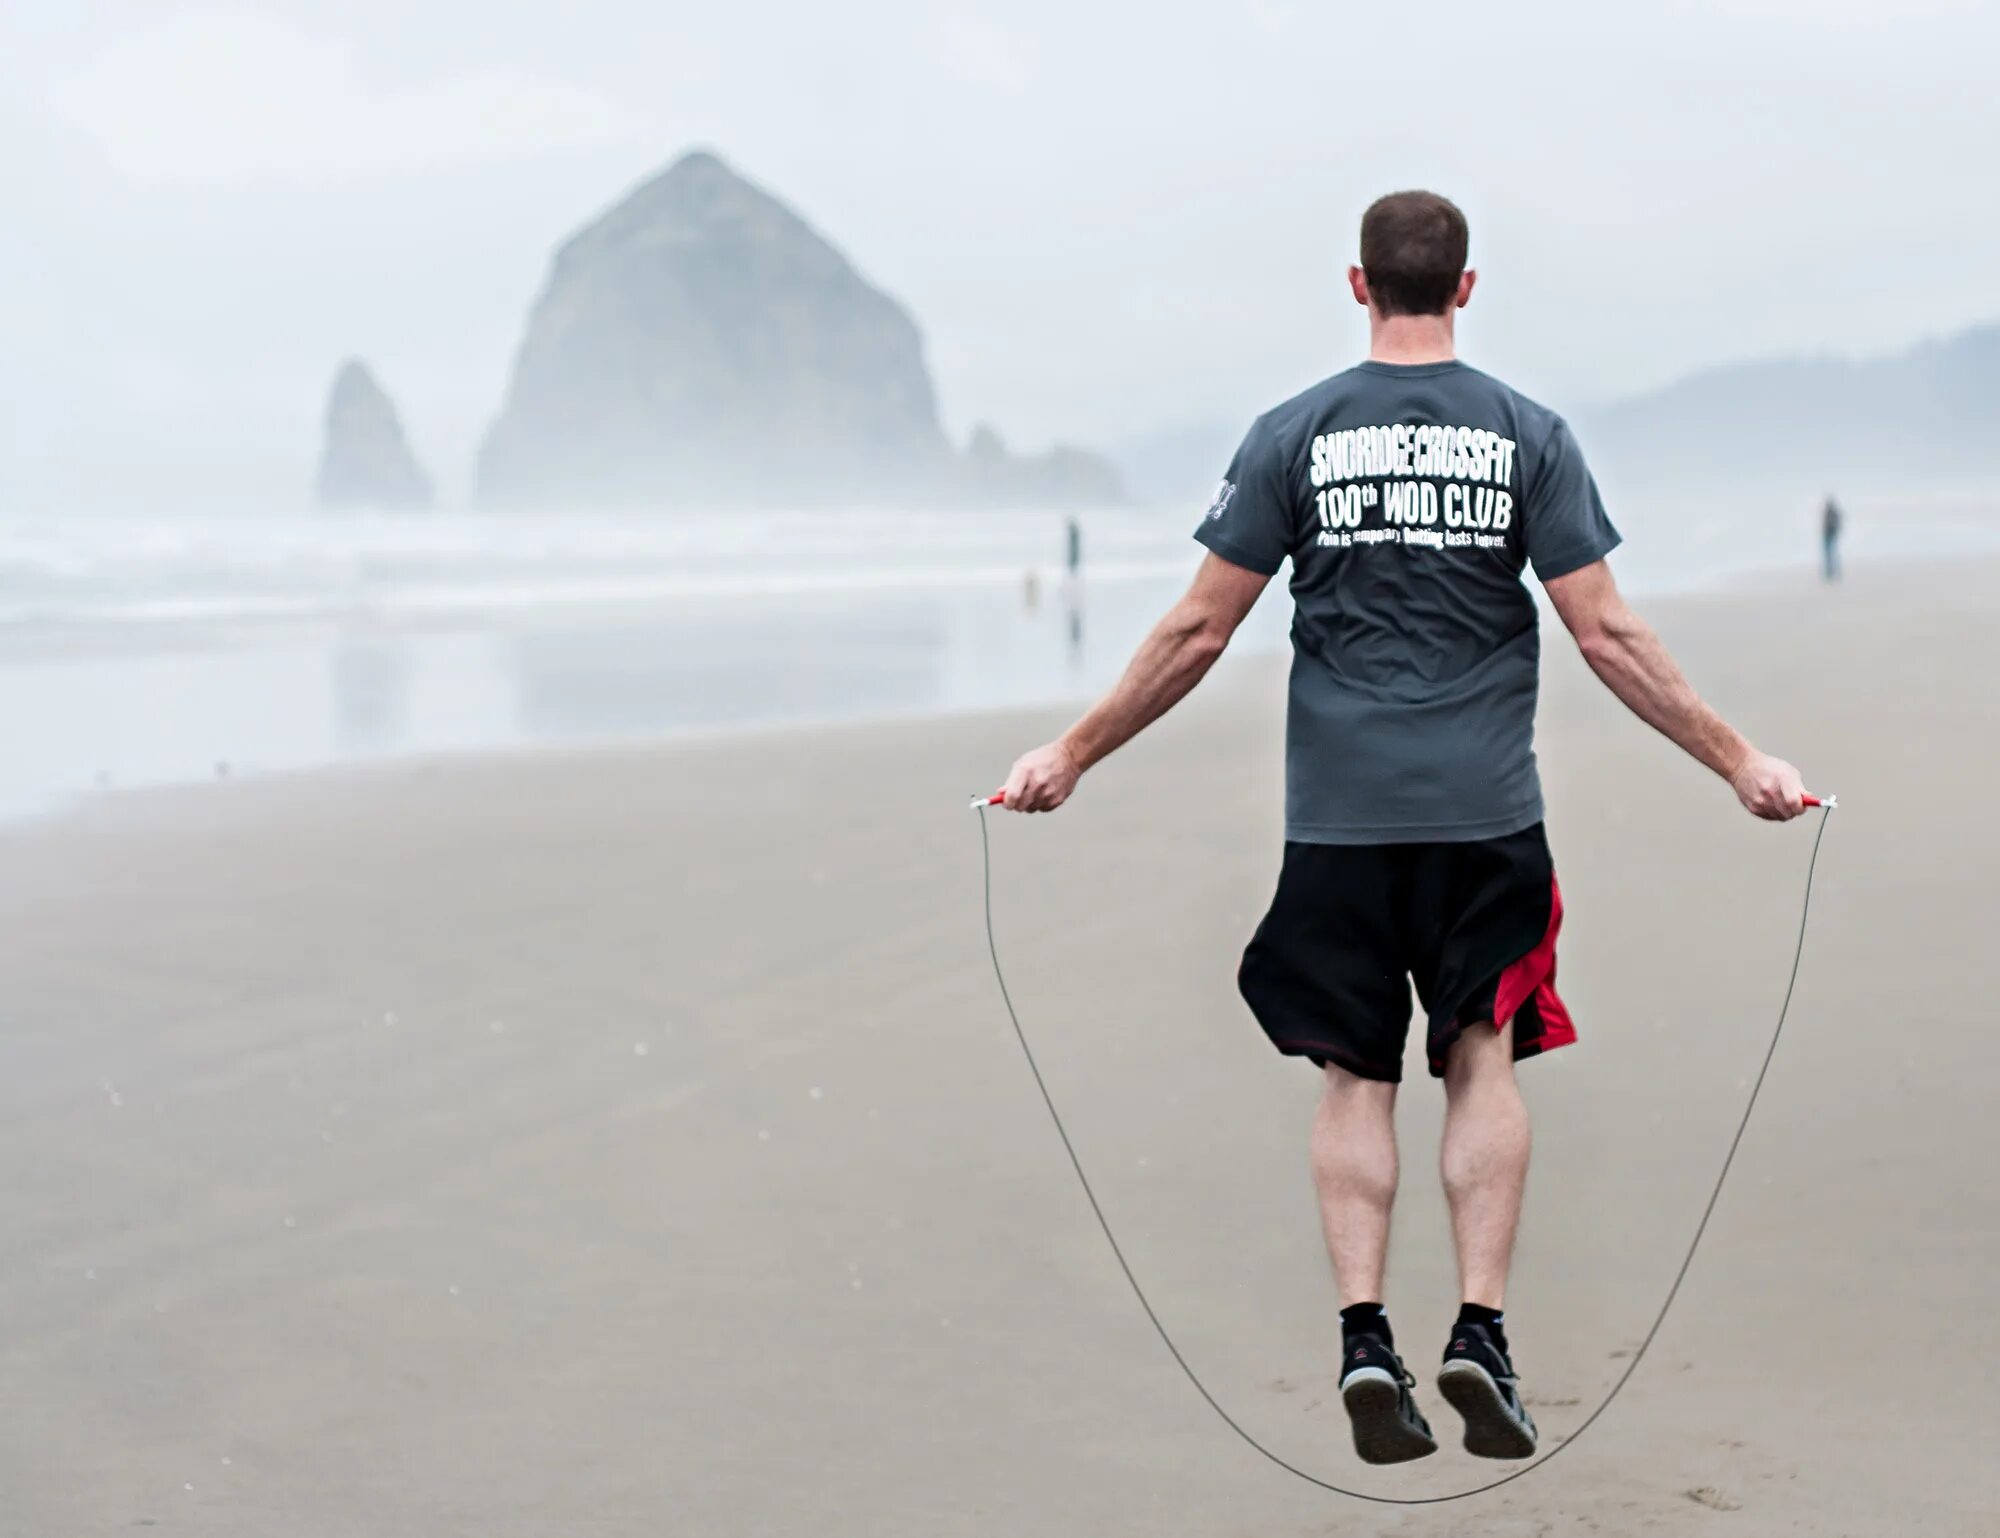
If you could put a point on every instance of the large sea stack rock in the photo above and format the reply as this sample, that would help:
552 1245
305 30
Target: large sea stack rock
366 460
701 345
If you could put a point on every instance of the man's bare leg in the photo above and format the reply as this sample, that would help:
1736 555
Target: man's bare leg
1484 1159
1485 1165
1354 1171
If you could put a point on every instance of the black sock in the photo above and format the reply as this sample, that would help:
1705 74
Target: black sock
1491 1318
1366 1319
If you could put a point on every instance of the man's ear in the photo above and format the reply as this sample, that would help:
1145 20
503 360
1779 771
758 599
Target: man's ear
1465 281
1358 281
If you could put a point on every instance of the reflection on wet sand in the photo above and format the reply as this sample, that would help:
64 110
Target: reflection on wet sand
371 692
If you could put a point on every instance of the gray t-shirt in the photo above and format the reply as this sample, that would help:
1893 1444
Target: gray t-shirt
1409 498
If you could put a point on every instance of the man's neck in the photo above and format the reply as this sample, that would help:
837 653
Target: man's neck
1410 338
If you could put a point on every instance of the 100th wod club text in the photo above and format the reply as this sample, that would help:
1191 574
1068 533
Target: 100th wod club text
1441 486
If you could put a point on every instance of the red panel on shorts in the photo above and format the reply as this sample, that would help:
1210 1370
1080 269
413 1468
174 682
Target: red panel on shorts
1533 977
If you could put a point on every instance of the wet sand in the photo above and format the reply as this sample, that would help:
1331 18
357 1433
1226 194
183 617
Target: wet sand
632 1141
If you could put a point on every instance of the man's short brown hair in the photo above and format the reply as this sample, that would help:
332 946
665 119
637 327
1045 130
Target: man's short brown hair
1413 250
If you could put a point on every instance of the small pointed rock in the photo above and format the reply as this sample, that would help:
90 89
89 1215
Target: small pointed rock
366 461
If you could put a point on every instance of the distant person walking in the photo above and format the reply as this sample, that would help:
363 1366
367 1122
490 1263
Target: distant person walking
1830 521
1073 584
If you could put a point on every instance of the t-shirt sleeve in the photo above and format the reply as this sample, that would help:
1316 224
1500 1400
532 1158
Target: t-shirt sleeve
1251 522
1565 525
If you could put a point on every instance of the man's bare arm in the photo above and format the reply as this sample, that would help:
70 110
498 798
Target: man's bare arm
1169 662
1624 652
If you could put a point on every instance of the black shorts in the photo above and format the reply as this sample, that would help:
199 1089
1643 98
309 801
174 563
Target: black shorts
1328 972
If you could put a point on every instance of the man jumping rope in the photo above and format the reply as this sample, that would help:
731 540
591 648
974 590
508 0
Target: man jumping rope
1409 492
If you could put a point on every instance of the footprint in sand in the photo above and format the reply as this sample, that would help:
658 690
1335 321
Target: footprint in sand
1714 1499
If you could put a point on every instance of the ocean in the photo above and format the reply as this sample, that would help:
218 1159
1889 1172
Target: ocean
137 651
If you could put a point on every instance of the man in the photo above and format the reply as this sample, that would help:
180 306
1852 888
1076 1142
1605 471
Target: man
1829 541
1409 493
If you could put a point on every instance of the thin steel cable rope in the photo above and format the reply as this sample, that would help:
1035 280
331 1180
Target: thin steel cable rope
1638 1356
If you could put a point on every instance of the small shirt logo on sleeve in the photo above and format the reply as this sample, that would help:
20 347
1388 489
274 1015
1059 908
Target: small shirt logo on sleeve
1220 505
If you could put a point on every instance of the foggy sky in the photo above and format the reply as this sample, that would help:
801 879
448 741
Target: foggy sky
1109 220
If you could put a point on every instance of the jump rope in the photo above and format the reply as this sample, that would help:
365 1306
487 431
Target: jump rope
981 803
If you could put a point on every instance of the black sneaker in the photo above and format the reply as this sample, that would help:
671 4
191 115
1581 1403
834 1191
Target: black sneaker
1479 1381
1388 1426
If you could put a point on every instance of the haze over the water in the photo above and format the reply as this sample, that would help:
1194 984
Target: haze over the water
1110 222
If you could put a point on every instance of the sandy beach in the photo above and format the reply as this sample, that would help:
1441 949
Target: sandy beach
632 1142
